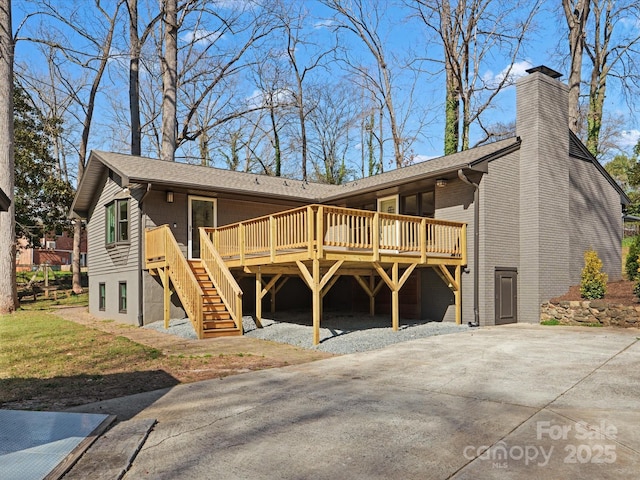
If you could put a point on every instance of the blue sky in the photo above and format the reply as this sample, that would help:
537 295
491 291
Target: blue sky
402 37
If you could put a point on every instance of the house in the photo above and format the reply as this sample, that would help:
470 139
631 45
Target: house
55 249
484 235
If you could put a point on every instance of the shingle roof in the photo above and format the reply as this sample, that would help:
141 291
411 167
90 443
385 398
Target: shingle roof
431 168
134 169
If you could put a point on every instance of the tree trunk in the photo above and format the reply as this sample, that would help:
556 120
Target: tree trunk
8 295
597 92
576 13
276 138
451 126
170 81
134 78
105 54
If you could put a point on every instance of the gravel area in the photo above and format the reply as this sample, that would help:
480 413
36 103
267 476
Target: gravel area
339 333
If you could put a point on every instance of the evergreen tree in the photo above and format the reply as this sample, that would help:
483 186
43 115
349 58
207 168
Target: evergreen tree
42 197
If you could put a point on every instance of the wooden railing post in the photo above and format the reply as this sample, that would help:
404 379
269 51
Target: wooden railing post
375 241
423 240
241 242
320 229
463 243
310 230
272 238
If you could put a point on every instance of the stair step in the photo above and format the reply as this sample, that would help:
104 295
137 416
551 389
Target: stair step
211 316
218 324
214 307
222 332
211 299
216 320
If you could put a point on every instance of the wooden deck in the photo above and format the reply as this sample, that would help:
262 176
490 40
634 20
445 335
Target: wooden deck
319 243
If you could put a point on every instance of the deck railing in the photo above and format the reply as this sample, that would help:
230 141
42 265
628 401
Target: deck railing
320 226
225 284
161 246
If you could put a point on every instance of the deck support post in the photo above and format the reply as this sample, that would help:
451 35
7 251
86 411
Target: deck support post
372 297
453 282
316 283
259 299
371 290
270 287
457 295
317 301
395 283
274 291
164 276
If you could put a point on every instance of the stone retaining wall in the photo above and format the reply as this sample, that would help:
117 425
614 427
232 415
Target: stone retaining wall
594 312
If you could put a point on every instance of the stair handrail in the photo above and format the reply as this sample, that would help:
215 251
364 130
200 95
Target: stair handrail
224 282
183 278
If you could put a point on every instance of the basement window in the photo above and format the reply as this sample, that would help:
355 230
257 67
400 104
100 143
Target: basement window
122 297
117 221
102 297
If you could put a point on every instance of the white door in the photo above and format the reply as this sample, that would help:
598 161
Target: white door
202 213
389 231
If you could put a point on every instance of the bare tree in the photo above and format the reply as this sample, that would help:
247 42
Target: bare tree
296 41
332 125
612 50
8 295
362 18
576 13
91 63
208 68
470 33
169 65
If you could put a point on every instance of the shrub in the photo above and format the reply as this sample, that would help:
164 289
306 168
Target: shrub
593 282
636 289
631 264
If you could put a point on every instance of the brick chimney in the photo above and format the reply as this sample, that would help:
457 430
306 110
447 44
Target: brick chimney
542 123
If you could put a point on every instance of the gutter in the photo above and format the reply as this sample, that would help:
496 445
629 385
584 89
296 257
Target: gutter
476 247
140 269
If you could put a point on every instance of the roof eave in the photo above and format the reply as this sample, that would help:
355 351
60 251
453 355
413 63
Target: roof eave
478 165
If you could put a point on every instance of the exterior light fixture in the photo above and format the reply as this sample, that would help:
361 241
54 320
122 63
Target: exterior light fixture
441 182
169 197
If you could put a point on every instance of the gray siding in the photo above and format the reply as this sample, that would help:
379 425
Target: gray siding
499 228
232 211
113 265
454 202
595 220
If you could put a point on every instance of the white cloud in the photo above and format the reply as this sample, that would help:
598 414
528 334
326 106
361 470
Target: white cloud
629 138
423 158
518 70
258 98
201 37
323 24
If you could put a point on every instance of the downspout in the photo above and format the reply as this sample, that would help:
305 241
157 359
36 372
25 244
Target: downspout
140 269
476 248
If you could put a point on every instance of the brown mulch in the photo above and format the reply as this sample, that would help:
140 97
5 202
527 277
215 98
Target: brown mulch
620 292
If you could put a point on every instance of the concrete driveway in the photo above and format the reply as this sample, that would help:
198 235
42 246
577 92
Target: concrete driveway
497 402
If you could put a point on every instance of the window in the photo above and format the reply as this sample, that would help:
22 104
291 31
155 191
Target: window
117 219
122 297
102 293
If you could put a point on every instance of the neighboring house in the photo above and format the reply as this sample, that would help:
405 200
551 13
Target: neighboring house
496 230
54 249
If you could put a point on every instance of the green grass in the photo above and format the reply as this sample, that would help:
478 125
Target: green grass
43 303
39 344
553 321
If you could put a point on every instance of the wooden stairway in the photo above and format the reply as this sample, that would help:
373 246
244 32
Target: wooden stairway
216 320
